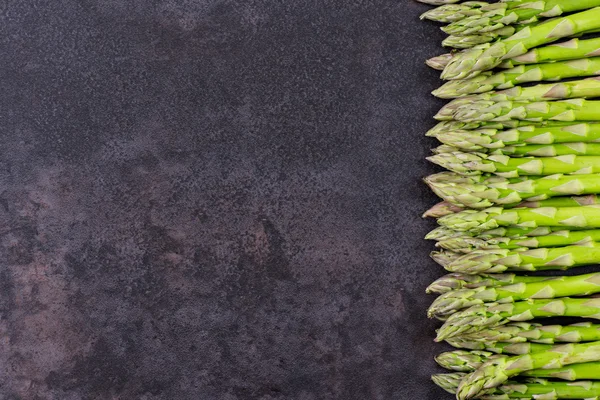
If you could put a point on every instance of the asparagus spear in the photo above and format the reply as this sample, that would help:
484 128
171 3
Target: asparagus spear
441 209
444 233
497 347
439 62
438 2
449 382
463 361
472 40
472 62
489 348
499 15
455 300
456 281
535 150
518 332
490 138
477 163
545 389
446 208
480 191
566 201
467 244
453 12
570 50
488 81
444 257
481 220
489 315
566 110
495 372
453 126
589 87
583 371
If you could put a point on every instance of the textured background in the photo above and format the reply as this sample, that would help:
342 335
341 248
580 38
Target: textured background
215 199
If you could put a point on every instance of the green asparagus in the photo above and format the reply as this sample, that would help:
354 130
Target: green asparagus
566 110
497 371
497 347
490 218
455 300
439 62
467 244
518 332
583 88
488 315
443 233
465 361
453 12
489 138
488 81
583 371
499 15
570 50
441 209
480 191
535 150
472 62
456 281
472 40
453 126
446 208
438 2
510 167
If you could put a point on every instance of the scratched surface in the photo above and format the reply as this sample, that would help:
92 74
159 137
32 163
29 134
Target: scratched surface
215 200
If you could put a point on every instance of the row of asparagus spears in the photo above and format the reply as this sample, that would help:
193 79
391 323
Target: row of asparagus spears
520 197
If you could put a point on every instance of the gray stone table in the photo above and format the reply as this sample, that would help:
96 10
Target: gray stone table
215 200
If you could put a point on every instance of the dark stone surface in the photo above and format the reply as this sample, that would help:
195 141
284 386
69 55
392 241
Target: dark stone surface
215 199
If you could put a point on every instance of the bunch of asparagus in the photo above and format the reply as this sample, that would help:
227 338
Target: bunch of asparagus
521 194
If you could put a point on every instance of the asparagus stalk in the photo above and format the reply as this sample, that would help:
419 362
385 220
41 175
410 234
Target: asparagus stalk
535 150
490 348
570 50
467 244
455 300
439 62
464 361
477 163
490 218
472 40
518 332
545 389
449 382
456 281
453 12
489 138
566 201
480 191
444 233
499 15
495 372
497 347
453 126
583 371
489 315
446 208
438 2
488 81
441 209
566 110
589 87
472 62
